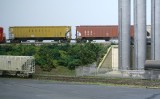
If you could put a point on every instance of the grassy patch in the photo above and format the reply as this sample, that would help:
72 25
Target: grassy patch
60 70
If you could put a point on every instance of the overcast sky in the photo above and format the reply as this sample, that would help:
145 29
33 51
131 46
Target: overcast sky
60 12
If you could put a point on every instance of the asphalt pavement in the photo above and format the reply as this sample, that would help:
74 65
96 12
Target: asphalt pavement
38 89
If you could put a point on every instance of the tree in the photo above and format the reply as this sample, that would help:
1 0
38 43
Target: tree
44 58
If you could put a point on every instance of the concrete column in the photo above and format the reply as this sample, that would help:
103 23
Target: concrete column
124 34
140 33
155 30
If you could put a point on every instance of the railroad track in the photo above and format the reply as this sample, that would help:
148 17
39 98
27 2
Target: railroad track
49 43
103 80
97 80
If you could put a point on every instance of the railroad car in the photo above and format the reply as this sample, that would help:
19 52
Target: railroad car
17 65
84 33
2 35
18 34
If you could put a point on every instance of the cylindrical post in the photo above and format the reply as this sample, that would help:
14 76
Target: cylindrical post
124 34
140 33
155 24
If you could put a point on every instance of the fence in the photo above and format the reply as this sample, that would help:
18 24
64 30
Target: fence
104 72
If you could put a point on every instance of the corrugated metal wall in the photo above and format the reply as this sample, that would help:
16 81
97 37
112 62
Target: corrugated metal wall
100 31
1 34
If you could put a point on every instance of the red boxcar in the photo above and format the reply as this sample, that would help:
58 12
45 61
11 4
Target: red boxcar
2 37
98 32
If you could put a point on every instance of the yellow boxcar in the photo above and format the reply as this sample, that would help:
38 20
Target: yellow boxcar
40 33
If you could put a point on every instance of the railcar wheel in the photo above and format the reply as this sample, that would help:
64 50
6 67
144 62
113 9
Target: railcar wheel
4 73
17 73
78 41
63 41
84 41
30 76
15 41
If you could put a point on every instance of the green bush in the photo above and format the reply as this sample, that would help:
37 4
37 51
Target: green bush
52 56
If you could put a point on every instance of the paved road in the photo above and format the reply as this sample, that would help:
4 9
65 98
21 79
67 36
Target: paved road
34 89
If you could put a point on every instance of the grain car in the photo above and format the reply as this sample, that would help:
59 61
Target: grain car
17 65
19 34
2 35
108 32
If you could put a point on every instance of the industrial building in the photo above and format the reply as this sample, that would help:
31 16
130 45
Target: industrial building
140 29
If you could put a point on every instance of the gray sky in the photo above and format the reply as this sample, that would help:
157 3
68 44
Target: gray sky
60 12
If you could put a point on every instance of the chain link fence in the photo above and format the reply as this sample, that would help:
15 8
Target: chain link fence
104 72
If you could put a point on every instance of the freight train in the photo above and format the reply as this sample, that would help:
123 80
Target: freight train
20 34
17 65
2 36
84 33
39 33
